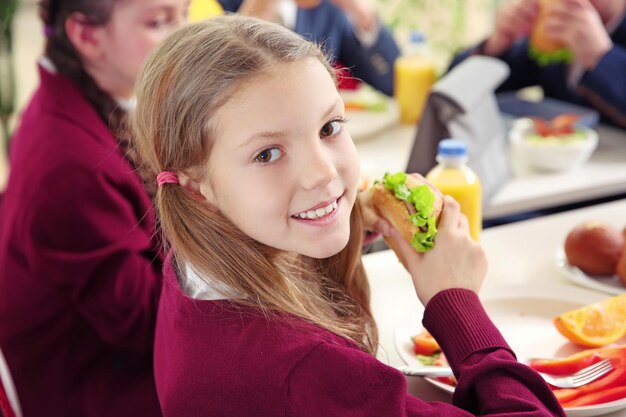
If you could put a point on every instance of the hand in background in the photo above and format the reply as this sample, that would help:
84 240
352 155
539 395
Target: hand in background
263 9
455 262
577 24
361 12
514 20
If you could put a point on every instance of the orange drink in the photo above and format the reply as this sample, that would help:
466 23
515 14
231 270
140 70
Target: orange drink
454 178
414 76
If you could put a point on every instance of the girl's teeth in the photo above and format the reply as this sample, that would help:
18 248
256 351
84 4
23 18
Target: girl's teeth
320 212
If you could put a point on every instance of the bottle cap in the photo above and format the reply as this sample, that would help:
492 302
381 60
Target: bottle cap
452 147
417 36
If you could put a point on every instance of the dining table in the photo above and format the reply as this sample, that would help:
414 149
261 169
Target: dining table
523 259
386 148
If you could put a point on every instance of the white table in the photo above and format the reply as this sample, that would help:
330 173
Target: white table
604 175
521 253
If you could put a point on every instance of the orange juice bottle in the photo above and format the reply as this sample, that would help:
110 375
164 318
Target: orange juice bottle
414 75
454 178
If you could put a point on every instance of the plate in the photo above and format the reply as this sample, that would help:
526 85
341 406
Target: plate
524 316
610 285
362 124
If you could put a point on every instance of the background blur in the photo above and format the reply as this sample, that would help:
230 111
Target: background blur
448 25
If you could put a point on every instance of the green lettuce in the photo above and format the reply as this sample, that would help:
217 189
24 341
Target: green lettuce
546 58
423 198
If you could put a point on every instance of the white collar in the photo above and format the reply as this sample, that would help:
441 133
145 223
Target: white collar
205 289
126 104
47 64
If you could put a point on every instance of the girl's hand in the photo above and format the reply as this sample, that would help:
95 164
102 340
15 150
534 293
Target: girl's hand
455 262
514 20
372 222
578 26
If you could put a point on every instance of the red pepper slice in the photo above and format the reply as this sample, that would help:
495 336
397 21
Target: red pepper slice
577 361
600 397
613 379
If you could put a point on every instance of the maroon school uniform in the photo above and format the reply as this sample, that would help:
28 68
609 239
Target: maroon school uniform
213 358
80 272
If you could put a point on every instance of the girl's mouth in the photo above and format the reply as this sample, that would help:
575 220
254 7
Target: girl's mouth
318 213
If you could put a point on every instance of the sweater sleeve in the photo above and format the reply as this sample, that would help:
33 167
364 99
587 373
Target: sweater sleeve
604 86
373 64
524 72
95 244
337 380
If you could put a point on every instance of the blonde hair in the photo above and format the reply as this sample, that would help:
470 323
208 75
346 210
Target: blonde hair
186 79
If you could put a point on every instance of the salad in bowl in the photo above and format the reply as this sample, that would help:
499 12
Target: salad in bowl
558 144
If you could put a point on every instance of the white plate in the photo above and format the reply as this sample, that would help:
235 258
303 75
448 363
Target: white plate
524 316
362 124
610 285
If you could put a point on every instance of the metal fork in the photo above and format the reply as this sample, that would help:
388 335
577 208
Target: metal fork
580 378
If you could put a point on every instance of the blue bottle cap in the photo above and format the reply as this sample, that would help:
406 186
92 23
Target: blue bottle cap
417 36
452 147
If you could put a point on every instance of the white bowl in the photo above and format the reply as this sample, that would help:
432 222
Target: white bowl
551 154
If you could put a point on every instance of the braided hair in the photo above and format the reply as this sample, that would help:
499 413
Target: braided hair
60 50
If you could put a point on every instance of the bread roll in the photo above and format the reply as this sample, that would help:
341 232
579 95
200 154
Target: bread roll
397 211
594 247
621 267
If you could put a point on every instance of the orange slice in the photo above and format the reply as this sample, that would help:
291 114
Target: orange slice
595 325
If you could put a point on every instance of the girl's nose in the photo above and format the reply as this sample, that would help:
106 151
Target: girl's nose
318 168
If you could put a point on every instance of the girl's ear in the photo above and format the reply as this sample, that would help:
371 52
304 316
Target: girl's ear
83 35
194 188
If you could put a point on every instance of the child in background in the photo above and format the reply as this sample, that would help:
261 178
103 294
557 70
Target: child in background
80 266
349 30
593 30
265 309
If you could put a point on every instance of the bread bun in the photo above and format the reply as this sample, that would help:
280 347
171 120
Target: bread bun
396 211
541 48
594 247
537 35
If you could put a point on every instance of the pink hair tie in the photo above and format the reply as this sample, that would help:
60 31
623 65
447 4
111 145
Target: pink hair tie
167 177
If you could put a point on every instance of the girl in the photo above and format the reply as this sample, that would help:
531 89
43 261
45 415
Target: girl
265 307
80 269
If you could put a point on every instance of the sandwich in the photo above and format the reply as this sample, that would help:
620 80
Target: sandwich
543 50
412 205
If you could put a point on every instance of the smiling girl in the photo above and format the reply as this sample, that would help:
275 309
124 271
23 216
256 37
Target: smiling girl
80 267
265 306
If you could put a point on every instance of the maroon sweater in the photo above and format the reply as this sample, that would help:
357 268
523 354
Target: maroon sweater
80 275
213 358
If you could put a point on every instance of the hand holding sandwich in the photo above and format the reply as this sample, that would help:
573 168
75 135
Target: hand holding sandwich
578 26
514 20
456 261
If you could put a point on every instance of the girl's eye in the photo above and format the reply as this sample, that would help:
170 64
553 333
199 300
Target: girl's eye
158 22
331 128
268 155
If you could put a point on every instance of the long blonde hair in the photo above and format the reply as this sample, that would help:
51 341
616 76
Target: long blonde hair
186 79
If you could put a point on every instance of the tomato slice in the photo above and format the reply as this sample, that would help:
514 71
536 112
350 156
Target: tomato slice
425 344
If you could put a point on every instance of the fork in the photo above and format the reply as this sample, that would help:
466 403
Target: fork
580 378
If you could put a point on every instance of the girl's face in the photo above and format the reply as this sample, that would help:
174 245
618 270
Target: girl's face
134 29
283 168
